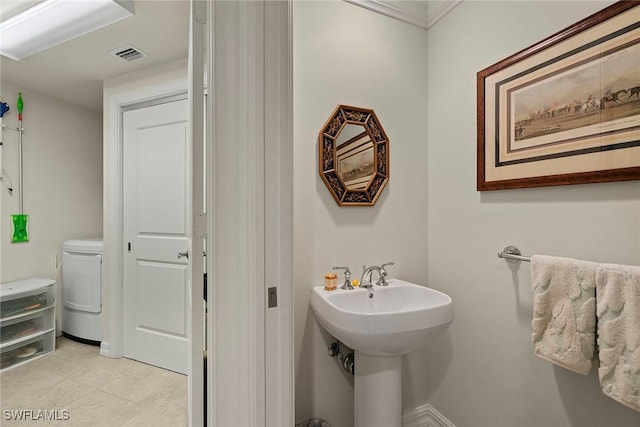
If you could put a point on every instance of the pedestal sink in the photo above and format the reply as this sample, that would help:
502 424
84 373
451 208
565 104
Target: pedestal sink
380 325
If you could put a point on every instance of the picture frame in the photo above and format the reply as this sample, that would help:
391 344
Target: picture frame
565 110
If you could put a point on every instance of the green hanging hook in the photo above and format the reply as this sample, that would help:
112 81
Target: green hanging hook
19 105
19 221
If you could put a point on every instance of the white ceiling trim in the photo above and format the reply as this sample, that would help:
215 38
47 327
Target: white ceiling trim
442 11
386 9
390 11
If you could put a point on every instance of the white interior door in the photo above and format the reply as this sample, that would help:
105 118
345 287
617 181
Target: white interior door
157 228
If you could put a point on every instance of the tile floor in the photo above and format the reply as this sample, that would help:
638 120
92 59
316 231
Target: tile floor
95 390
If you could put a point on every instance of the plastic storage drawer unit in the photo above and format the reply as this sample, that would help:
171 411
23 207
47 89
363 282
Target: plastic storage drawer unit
27 321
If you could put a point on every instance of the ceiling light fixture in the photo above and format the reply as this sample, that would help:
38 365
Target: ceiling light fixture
52 22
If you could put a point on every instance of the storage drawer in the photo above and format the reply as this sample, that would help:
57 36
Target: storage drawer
20 327
25 304
19 353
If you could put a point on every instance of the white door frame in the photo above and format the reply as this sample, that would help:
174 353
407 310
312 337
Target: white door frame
278 184
195 76
112 344
250 184
250 203
113 341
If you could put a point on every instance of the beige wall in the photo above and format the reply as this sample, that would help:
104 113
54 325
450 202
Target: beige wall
62 168
483 372
344 54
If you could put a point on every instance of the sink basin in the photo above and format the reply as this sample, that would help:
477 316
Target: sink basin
398 318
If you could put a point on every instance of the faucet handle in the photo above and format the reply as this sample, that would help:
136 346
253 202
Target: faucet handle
347 272
382 267
347 277
382 281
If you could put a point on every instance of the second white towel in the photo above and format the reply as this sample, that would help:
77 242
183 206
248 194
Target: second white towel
618 289
564 311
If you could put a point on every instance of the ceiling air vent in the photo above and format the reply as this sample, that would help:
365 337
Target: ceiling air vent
129 53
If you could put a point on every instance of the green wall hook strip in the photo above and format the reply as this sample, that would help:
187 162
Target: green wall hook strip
19 228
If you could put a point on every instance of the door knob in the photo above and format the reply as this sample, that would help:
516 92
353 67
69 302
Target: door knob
184 254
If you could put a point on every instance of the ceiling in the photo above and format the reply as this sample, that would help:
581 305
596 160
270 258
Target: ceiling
74 71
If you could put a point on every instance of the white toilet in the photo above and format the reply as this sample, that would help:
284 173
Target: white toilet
82 290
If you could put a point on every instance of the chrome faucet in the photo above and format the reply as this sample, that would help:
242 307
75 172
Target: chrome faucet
347 278
366 283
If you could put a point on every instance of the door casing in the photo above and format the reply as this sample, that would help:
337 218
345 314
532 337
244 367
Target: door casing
250 222
276 76
112 345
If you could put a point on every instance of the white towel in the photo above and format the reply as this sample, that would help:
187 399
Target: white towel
564 318
618 309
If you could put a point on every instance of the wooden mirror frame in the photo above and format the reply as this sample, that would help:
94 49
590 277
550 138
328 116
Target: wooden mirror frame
342 116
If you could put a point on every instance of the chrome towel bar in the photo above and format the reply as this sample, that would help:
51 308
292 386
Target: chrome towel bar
513 254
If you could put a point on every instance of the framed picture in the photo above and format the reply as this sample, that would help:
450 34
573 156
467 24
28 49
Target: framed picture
565 110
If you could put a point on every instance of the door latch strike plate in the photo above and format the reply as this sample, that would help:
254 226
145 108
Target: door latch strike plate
272 296
200 226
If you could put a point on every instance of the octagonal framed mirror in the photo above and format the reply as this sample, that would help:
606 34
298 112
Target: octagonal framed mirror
354 156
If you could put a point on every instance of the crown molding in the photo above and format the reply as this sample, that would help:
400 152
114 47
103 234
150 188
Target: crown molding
425 416
386 9
390 11
441 11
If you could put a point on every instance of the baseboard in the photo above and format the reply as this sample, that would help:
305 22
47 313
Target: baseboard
425 416
105 349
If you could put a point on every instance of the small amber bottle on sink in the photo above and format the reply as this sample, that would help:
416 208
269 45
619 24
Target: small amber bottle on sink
330 281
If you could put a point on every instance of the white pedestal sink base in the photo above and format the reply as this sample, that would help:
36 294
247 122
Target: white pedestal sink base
398 319
377 391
